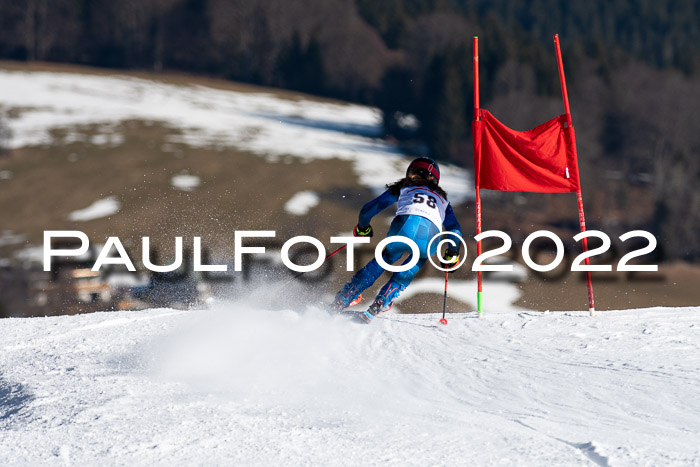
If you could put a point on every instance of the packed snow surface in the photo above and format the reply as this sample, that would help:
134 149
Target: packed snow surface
100 208
185 182
262 123
301 203
245 385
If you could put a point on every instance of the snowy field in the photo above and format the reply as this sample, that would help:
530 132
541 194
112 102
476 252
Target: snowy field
265 124
240 385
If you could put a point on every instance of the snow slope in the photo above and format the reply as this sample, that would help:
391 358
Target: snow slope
241 385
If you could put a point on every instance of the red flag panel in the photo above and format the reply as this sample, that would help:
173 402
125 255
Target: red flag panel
540 160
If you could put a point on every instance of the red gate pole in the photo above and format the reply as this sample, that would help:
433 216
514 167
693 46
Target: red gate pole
479 293
579 197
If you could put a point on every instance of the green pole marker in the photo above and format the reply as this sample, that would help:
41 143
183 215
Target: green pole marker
479 303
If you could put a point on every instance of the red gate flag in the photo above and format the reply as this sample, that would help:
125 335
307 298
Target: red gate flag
539 160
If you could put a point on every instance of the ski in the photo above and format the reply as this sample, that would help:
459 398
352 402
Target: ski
364 317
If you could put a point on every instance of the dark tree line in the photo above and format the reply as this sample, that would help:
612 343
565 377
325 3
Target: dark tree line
632 68
343 47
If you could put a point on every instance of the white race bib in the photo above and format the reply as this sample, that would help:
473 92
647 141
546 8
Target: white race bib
421 201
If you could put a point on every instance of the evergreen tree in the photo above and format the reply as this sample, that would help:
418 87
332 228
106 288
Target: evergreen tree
445 112
301 67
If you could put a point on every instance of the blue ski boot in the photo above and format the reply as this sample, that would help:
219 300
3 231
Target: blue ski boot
347 297
367 316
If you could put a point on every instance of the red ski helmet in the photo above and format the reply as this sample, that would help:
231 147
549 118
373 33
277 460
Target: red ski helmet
427 164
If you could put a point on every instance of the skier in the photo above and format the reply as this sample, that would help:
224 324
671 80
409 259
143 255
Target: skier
421 213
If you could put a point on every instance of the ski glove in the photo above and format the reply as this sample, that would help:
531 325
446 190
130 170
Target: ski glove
362 231
451 260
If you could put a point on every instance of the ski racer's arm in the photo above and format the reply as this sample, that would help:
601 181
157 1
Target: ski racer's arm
374 207
451 224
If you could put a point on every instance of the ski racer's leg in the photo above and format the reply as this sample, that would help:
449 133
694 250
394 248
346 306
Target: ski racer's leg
421 231
366 276
397 284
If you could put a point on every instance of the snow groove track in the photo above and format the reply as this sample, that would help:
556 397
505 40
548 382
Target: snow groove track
243 385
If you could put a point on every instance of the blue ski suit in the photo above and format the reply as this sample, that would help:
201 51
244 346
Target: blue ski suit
418 227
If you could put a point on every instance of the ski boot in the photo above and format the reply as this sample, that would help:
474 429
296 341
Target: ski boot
346 298
367 316
383 302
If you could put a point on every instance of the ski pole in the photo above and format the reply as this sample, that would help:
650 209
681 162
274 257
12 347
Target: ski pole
444 301
324 260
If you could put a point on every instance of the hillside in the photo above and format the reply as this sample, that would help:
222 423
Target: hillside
248 384
98 135
135 155
631 67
